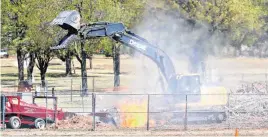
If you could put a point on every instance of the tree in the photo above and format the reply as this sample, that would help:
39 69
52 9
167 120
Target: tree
31 65
68 63
14 14
262 39
240 19
116 62
43 56
42 39
41 35
80 55
129 17
223 22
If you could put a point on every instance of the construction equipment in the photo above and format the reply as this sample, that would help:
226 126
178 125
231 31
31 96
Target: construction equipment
16 112
176 84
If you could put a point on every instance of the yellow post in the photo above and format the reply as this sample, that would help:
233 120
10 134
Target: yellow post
236 132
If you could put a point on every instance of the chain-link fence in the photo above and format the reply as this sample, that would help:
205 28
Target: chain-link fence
109 111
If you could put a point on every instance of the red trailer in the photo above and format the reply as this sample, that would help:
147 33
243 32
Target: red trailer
16 112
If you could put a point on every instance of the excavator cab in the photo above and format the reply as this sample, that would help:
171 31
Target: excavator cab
188 84
199 92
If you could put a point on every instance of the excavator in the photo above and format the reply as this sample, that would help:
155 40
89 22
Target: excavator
201 95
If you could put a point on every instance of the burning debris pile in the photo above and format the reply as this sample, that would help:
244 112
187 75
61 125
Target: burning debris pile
133 113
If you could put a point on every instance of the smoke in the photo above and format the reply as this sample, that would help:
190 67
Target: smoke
176 36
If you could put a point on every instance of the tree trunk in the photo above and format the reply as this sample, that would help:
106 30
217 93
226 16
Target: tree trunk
83 70
43 71
43 56
116 62
20 59
73 66
43 77
68 64
90 62
30 67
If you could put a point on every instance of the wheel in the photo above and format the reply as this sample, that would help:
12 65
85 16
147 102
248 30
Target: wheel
14 122
39 123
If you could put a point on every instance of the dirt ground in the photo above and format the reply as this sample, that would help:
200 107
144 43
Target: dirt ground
132 133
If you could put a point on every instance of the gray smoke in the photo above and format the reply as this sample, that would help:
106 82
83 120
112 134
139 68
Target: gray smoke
176 36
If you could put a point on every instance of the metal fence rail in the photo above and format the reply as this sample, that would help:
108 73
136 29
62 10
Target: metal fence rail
158 111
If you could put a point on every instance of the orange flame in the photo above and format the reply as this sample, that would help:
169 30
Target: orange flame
134 113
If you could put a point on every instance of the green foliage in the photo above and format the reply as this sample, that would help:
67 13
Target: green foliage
25 24
34 17
41 34
12 24
105 44
238 18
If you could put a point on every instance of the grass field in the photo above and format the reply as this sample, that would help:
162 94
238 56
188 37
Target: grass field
134 72
231 70
102 71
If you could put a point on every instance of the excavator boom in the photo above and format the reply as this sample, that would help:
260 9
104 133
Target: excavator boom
119 33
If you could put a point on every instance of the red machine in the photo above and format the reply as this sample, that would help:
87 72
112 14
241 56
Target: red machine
16 112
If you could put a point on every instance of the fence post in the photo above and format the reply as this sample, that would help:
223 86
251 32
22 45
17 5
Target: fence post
228 110
93 84
46 109
81 89
247 88
55 107
93 110
3 100
266 82
33 96
71 90
83 103
186 111
252 87
148 112
15 86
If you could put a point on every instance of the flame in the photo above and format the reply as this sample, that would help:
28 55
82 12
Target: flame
138 115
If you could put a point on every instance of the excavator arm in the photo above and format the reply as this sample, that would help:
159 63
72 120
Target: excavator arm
119 33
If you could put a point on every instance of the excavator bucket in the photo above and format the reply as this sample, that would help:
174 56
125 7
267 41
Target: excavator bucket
68 20
109 116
